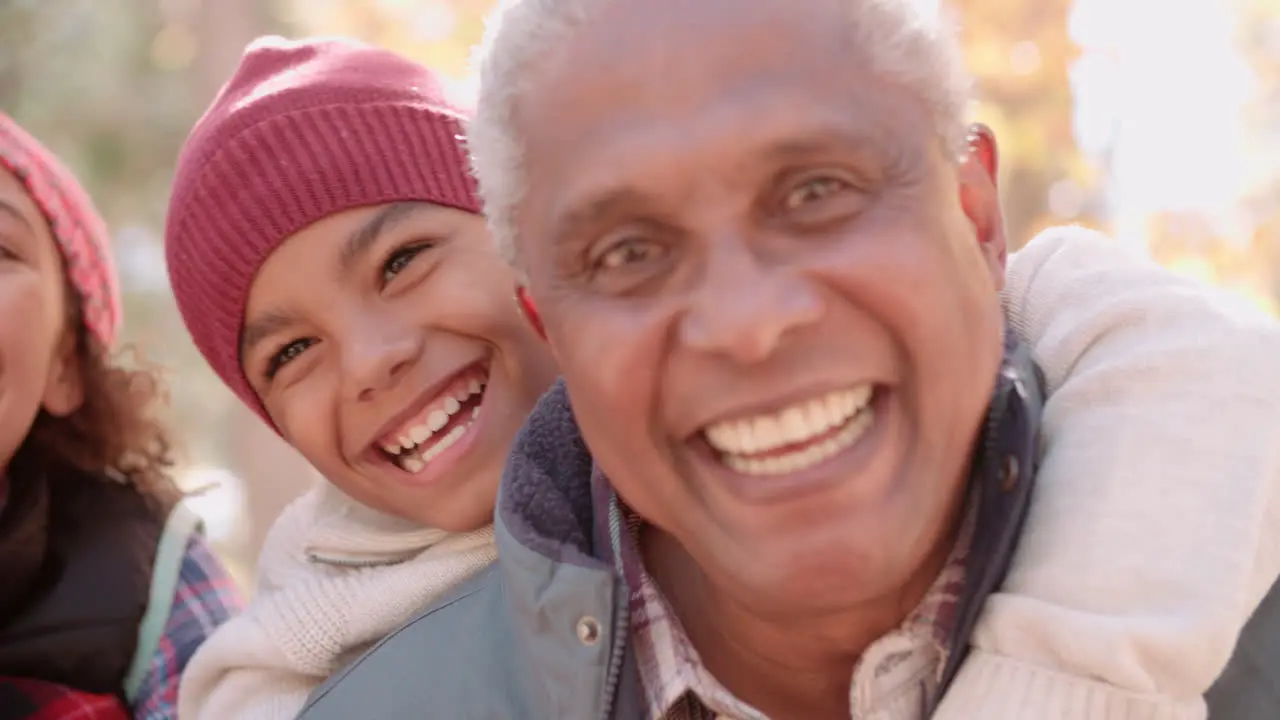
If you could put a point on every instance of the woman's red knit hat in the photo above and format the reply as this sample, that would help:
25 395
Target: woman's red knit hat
75 224
302 130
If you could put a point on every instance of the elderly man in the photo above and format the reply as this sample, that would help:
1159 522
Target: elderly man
767 253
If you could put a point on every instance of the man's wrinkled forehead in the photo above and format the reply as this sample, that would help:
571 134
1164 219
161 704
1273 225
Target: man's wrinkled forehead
657 39
634 93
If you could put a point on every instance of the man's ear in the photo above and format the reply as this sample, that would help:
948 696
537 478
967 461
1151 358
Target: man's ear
64 389
529 311
980 196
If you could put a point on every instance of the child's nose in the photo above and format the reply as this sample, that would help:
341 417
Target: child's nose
376 358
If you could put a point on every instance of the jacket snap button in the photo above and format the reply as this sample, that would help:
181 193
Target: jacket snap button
1009 473
588 630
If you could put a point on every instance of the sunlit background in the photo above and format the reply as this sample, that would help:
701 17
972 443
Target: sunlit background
1156 121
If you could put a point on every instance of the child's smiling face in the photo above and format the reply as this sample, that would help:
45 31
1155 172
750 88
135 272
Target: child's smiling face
386 346
37 353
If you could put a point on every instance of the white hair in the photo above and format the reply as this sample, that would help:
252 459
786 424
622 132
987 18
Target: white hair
903 42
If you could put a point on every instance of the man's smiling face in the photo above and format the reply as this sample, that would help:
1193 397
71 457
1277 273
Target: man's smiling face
769 293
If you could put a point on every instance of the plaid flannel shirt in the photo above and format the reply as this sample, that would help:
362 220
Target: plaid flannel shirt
25 699
206 596
892 681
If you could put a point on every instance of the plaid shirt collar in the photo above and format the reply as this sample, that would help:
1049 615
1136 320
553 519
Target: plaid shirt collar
892 680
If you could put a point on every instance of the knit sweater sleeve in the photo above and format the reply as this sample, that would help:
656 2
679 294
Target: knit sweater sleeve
1155 527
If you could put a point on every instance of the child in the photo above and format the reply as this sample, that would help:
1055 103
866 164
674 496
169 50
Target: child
327 253
108 585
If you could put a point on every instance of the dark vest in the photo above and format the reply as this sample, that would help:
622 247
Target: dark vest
1250 687
83 549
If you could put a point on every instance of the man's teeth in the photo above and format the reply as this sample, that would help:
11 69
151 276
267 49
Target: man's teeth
739 440
805 457
431 426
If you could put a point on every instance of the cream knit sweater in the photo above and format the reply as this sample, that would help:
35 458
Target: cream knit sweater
333 578
1154 530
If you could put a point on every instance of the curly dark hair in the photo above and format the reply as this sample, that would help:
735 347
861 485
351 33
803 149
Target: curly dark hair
116 432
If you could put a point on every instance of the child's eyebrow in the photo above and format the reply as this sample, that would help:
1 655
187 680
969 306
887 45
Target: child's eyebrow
10 209
356 245
261 328
364 236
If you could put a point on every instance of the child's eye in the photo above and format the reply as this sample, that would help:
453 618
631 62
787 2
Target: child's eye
400 259
287 354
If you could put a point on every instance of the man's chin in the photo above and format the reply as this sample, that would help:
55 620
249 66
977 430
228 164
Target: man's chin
802 581
831 553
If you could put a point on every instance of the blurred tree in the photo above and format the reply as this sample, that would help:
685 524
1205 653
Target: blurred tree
1244 255
113 87
1260 42
1020 55
437 33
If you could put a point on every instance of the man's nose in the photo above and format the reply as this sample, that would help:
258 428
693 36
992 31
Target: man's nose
376 356
745 305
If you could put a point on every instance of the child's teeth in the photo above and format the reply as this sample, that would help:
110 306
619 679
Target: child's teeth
419 434
445 443
435 421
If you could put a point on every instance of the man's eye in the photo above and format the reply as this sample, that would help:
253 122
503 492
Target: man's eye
400 259
287 354
812 190
626 252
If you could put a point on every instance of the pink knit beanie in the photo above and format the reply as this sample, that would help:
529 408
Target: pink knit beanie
302 130
75 224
